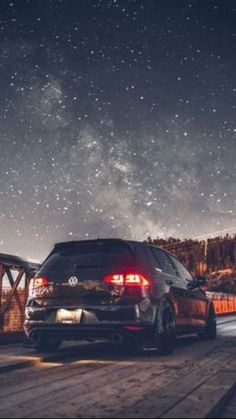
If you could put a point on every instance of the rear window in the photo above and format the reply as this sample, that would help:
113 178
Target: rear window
101 255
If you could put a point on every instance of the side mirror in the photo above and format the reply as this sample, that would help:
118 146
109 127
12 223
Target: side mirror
198 282
201 280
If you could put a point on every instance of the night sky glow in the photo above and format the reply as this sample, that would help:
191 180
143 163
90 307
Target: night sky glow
117 119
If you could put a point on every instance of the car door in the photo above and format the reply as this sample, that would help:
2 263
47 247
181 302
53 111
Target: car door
174 284
194 302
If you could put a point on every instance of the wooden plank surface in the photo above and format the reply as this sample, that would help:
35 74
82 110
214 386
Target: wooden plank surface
207 397
101 381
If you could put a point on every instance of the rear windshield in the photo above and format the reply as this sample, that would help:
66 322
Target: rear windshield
102 255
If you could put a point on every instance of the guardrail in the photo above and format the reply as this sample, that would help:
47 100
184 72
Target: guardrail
15 274
223 303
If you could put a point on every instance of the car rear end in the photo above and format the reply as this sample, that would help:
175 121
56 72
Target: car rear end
90 290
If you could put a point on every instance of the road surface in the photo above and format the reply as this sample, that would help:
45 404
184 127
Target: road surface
98 380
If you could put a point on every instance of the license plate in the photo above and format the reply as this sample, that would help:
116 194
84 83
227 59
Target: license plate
68 316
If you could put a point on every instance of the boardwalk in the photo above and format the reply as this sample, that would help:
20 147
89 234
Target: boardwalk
97 380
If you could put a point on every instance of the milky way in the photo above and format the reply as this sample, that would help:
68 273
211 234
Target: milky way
117 118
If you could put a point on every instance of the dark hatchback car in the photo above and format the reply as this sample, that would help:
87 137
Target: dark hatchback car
125 291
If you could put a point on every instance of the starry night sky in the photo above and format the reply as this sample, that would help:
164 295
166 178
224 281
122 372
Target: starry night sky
117 118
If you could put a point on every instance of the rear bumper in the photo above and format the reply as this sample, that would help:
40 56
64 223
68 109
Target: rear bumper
96 323
75 332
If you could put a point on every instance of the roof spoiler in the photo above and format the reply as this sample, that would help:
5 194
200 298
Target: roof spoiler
86 242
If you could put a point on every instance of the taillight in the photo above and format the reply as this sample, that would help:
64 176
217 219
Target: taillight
127 280
38 282
133 328
114 279
41 282
136 279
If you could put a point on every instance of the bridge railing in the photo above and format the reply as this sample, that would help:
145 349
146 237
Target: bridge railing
223 303
15 274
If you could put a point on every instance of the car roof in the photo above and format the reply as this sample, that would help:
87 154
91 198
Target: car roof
109 240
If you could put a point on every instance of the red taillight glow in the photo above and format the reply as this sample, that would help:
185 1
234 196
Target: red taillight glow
133 328
127 280
136 279
39 282
114 279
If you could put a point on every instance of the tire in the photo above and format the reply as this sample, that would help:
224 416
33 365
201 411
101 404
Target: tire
210 332
165 330
44 344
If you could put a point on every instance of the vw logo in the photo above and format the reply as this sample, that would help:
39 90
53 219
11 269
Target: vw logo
73 281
